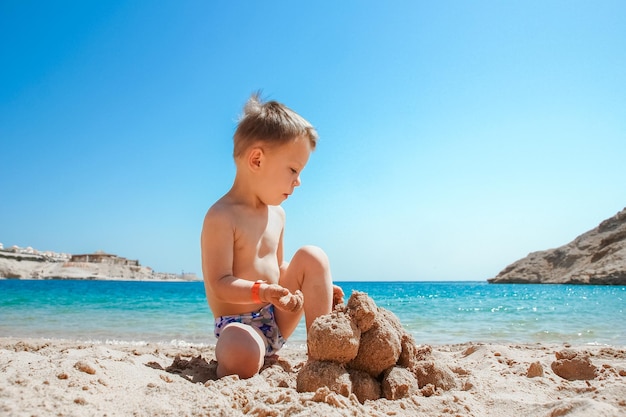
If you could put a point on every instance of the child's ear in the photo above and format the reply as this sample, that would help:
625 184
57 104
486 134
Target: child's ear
255 157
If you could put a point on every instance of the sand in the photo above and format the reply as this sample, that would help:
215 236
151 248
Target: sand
67 378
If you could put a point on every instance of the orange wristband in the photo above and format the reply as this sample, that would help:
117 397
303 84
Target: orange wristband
256 287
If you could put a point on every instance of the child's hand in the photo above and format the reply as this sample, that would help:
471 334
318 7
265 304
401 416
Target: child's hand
282 298
291 302
337 295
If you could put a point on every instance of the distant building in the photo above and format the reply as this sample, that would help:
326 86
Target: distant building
103 258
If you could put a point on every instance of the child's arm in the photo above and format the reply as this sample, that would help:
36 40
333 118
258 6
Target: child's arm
217 243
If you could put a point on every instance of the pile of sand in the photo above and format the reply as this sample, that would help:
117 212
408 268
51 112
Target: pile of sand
363 349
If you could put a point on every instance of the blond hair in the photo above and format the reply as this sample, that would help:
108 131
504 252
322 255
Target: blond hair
271 123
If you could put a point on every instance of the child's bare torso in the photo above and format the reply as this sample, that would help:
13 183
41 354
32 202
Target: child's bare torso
256 249
257 240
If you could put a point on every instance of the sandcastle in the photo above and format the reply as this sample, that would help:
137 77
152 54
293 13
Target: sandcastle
362 349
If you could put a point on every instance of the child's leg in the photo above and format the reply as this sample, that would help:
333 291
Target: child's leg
239 350
308 271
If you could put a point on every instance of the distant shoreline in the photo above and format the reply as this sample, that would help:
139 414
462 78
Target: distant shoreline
196 279
19 263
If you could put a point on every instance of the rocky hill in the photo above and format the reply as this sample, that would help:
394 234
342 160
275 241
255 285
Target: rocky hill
595 257
17 263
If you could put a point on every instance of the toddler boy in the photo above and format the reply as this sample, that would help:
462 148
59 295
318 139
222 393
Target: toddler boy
256 296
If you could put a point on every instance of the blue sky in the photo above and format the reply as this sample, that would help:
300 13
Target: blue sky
455 137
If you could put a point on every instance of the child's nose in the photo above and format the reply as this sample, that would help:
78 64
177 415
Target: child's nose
297 182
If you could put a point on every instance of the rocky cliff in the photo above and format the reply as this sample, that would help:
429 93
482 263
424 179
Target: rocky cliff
36 266
595 257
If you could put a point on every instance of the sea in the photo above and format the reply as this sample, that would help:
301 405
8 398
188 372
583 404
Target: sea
435 313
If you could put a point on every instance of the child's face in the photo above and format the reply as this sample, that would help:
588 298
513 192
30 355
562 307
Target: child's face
281 168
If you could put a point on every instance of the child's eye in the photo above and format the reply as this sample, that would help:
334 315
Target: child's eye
293 171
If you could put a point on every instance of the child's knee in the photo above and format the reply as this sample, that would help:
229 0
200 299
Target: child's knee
239 352
313 255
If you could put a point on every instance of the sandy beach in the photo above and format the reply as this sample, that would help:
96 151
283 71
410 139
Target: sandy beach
67 378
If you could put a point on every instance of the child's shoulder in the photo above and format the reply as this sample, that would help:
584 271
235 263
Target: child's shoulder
278 210
227 208
221 210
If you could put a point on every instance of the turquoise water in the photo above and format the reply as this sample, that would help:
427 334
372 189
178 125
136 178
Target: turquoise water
434 312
